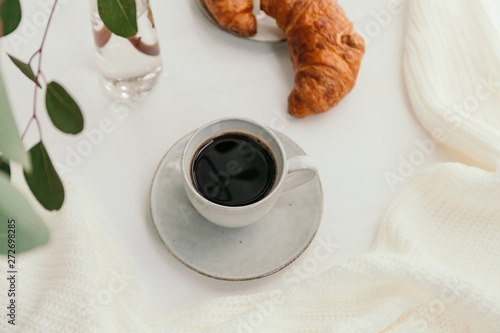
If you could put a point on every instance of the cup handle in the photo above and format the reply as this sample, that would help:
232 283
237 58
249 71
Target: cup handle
301 169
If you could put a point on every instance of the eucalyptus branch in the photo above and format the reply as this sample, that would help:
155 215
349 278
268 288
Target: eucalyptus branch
39 72
65 114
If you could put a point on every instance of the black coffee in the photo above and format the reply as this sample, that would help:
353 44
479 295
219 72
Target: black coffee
234 169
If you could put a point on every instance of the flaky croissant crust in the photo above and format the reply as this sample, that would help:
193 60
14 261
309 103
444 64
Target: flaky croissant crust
234 15
325 50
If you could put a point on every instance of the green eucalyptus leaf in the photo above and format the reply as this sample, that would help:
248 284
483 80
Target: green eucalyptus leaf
4 167
29 229
10 16
44 181
25 68
63 110
119 16
11 145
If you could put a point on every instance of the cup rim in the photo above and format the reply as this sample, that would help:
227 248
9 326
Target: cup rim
268 197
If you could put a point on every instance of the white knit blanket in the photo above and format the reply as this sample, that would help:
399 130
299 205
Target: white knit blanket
435 265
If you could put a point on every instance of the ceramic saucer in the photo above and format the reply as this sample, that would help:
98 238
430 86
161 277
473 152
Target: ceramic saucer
267 29
247 253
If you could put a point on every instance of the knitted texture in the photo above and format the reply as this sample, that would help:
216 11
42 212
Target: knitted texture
79 282
452 71
434 266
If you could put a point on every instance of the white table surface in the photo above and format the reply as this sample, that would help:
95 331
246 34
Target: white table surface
210 74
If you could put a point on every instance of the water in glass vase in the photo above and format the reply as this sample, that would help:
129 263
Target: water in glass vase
130 67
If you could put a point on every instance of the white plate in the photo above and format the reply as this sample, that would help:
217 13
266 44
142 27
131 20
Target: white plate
267 29
247 253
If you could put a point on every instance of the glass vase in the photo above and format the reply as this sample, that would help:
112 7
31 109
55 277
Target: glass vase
129 67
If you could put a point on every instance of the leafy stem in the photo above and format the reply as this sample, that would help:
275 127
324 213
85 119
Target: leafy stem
33 56
65 114
39 73
40 174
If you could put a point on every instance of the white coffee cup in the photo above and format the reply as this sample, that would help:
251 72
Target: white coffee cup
290 173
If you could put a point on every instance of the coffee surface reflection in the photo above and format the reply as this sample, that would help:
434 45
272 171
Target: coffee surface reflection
234 169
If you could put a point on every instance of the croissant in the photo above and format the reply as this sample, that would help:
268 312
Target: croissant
325 50
234 15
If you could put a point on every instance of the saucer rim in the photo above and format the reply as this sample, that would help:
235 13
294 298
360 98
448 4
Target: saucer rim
305 247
